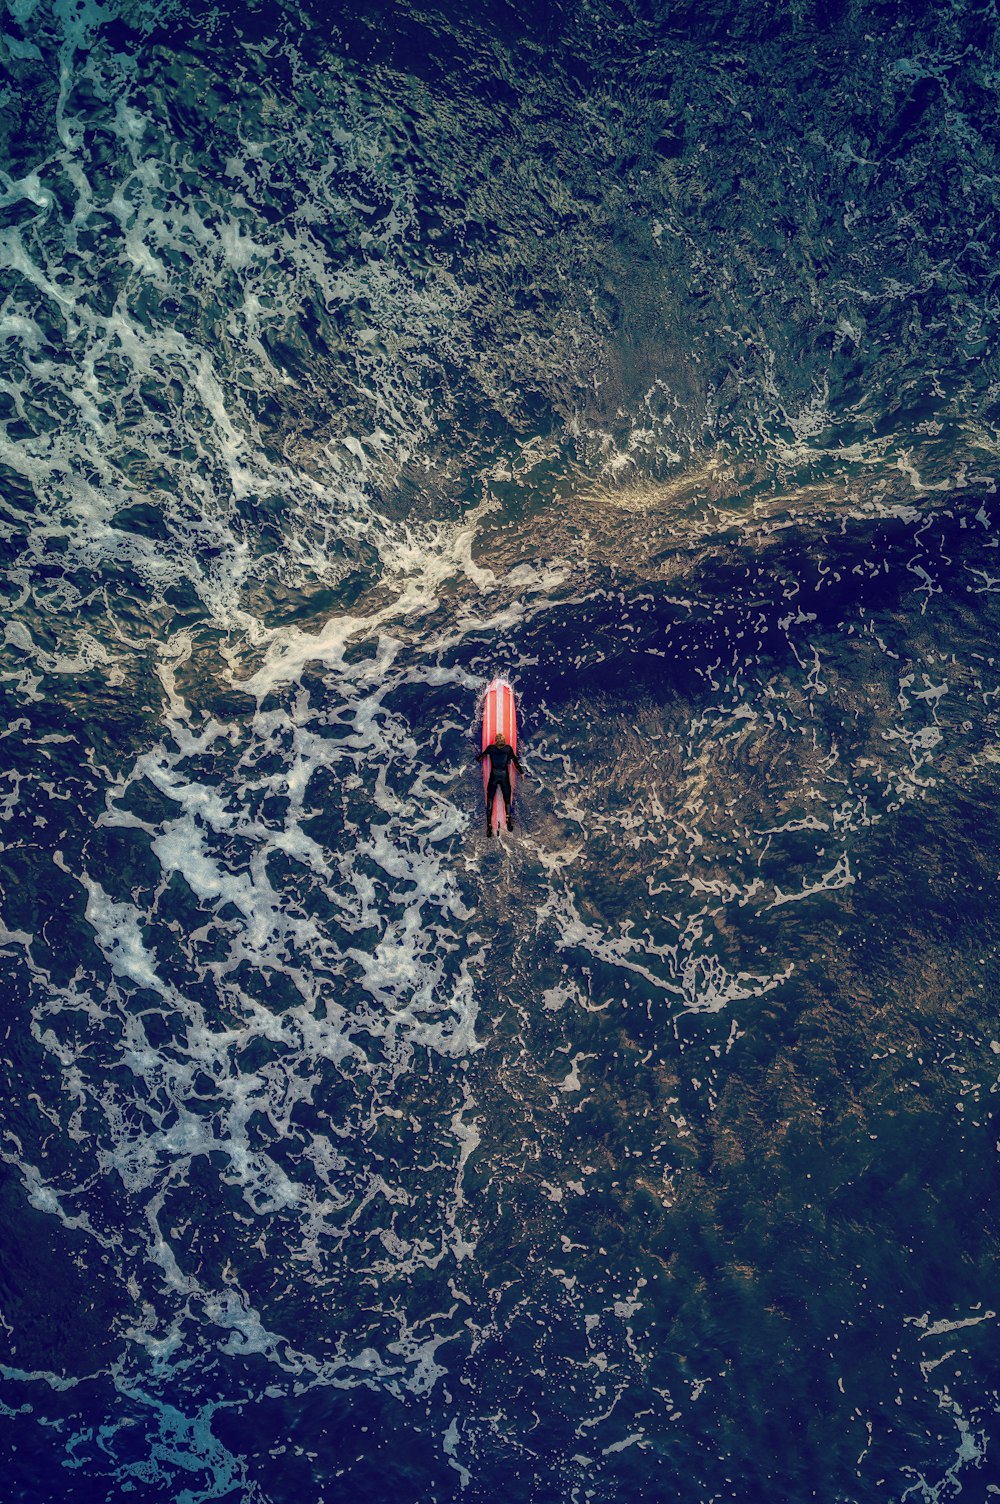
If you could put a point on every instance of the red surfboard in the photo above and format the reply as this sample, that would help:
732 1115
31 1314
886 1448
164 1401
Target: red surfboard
499 714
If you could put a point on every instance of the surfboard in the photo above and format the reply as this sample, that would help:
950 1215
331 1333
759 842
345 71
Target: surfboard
499 714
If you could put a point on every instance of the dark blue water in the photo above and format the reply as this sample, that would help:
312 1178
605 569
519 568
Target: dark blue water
645 354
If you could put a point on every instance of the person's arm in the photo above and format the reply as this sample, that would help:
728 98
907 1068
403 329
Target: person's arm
518 766
480 755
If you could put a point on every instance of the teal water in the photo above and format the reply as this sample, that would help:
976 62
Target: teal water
645 354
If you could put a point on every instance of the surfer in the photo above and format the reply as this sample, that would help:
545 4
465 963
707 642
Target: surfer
501 754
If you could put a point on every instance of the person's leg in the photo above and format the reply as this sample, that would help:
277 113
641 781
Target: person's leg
491 791
505 789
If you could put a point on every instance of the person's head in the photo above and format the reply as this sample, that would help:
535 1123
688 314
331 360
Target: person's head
500 740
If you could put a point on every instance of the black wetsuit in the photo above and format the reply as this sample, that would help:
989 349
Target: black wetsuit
500 761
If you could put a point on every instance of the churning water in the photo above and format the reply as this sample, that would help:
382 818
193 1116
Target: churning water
645 353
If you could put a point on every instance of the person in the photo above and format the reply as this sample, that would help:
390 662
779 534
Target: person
501 754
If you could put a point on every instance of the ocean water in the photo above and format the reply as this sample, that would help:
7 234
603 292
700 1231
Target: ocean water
645 353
